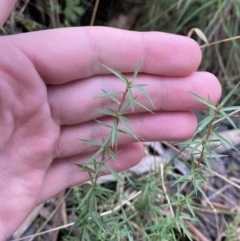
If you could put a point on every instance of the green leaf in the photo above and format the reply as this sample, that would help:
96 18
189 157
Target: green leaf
203 124
86 168
113 172
130 238
106 141
100 165
136 71
187 163
114 133
116 73
223 140
184 229
107 111
102 191
211 111
103 124
144 92
131 99
199 174
85 198
228 118
111 153
190 208
142 106
230 108
123 109
138 85
94 156
216 155
207 148
90 142
229 95
124 122
186 178
124 132
110 95
206 102
206 159
194 147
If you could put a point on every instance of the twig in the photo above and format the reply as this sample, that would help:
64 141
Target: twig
132 196
53 212
184 155
195 232
223 118
215 212
220 41
168 200
94 12
24 7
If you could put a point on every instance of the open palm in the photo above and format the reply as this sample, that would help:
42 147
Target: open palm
48 81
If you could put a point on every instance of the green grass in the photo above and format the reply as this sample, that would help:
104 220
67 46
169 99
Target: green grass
218 19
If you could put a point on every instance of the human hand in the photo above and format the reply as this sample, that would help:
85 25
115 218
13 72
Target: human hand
48 81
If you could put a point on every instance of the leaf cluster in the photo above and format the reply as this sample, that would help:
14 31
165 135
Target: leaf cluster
151 217
89 221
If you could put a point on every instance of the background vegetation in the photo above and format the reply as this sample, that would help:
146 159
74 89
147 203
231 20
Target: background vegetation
144 205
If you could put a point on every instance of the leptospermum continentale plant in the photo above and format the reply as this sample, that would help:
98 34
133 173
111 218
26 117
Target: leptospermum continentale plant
147 210
89 220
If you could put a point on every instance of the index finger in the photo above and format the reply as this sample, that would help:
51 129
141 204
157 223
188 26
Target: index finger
6 7
63 55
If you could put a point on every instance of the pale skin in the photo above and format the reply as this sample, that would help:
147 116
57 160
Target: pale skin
48 81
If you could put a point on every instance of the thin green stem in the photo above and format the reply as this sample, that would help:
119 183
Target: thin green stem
104 158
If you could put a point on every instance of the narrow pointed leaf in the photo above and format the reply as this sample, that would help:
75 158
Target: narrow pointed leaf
136 71
229 95
103 124
145 94
223 140
124 132
108 111
106 141
114 133
113 172
202 178
216 155
94 156
142 106
116 73
123 121
207 149
211 111
202 125
230 108
91 142
194 146
86 168
206 159
108 94
138 85
190 208
131 99
111 154
228 118
123 109
206 102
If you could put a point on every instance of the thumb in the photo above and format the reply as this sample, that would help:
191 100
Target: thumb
6 7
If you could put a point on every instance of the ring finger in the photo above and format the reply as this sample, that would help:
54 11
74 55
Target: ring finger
163 125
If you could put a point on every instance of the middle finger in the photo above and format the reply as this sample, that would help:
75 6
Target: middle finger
74 103
164 125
